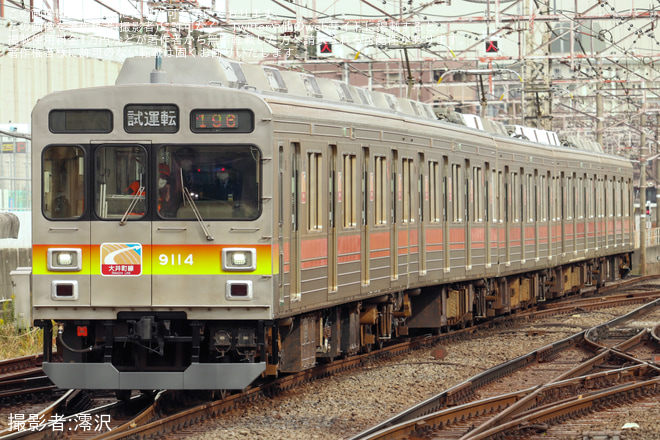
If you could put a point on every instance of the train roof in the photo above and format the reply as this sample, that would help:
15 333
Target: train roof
270 80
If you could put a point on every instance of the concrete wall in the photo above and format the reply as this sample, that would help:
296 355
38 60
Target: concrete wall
10 259
15 252
652 261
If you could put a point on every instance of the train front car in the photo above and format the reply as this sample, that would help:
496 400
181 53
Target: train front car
152 244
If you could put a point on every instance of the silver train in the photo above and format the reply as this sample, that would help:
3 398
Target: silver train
208 222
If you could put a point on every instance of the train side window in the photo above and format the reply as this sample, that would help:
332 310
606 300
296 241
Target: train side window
63 183
456 198
530 201
542 195
609 199
515 198
434 192
350 191
477 191
619 193
407 170
314 196
380 190
496 177
120 179
626 199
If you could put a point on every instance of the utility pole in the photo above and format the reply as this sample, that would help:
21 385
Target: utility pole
642 200
657 173
536 73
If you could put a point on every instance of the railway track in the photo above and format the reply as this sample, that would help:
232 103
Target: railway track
558 386
159 422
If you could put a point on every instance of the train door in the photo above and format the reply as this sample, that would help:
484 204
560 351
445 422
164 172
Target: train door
281 207
394 237
423 198
538 215
507 215
295 292
488 213
121 236
332 227
468 204
446 213
562 214
596 211
458 193
407 233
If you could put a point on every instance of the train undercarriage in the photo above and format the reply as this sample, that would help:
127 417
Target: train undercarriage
143 350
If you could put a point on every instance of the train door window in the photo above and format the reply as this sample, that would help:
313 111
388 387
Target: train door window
626 199
407 171
380 190
541 194
579 197
588 192
315 191
576 197
422 189
393 188
619 196
477 194
350 191
120 182
63 182
609 202
487 193
530 203
568 197
495 196
434 192
456 198
515 198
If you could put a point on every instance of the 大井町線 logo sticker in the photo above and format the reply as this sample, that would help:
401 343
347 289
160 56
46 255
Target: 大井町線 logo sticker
123 259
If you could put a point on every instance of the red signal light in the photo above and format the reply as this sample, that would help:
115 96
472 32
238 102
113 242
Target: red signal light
491 47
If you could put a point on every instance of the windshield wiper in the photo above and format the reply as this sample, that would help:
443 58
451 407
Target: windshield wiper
187 199
131 206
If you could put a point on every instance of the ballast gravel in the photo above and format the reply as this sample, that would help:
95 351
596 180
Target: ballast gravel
342 406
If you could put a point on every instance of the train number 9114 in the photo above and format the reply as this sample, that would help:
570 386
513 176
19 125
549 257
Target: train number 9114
175 259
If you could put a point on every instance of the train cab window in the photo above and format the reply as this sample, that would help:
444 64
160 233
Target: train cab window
223 182
63 182
120 182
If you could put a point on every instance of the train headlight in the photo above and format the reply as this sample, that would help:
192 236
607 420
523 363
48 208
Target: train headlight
64 260
238 259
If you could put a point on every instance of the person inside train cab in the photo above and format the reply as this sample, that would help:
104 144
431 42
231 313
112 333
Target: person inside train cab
226 184
186 172
134 188
165 184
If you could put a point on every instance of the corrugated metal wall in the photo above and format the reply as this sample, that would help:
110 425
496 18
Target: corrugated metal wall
25 80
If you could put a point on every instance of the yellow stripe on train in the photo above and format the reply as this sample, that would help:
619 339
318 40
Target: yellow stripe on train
158 260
